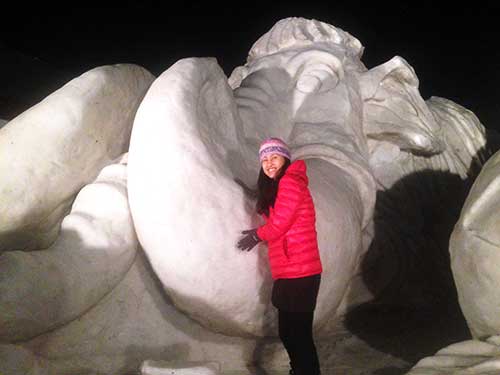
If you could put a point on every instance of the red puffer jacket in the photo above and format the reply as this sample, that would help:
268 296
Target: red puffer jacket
290 229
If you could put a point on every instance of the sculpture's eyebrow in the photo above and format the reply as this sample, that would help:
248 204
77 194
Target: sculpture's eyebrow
303 59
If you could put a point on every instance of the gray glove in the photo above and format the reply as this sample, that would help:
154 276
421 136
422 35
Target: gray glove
249 240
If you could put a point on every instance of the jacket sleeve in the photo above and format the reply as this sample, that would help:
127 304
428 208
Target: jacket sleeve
288 199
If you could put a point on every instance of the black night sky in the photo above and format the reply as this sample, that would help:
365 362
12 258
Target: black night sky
454 49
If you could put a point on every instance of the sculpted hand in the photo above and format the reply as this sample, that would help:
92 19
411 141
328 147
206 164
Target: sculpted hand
249 240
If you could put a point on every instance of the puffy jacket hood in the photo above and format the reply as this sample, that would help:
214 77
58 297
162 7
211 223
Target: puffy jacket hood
298 169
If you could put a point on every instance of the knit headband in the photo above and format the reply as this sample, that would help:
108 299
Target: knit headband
274 146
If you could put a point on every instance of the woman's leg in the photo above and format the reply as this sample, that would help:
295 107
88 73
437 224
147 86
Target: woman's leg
285 327
295 329
305 351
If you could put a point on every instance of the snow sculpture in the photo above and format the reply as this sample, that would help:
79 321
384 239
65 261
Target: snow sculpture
193 146
61 144
475 256
189 121
472 357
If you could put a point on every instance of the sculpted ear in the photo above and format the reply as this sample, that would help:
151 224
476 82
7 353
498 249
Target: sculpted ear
394 111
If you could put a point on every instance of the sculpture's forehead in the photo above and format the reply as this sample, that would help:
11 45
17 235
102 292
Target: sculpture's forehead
297 33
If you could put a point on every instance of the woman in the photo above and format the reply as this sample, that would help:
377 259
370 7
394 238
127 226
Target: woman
290 231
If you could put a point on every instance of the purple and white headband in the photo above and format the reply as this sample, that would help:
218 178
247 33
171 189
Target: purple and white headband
274 146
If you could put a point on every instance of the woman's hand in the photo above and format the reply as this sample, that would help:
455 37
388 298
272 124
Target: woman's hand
249 240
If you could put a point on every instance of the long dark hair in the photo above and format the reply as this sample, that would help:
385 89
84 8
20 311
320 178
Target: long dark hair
267 189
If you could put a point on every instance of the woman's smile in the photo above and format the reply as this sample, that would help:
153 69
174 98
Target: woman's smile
272 164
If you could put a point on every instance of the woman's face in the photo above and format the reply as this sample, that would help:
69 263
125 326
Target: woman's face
271 164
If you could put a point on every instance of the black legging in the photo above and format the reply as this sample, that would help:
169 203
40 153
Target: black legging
295 330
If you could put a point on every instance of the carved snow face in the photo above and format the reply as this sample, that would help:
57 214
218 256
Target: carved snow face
189 219
312 98
272 94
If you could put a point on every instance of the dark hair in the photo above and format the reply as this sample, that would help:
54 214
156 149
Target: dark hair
267 189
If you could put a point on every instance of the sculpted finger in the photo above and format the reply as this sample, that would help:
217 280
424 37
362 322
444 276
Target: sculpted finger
93 252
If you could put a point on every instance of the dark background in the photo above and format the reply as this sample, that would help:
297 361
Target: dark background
454 49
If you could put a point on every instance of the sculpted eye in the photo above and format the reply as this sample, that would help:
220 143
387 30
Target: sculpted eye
317 78
316 71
